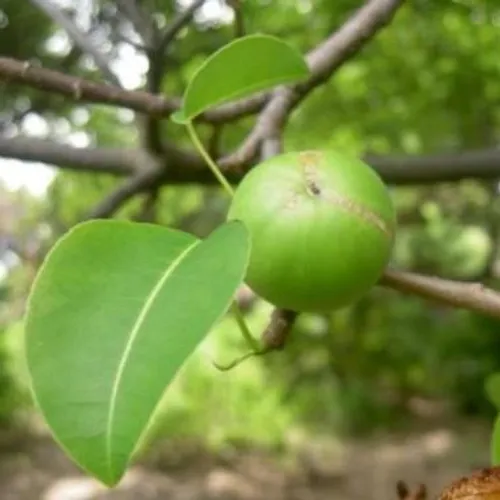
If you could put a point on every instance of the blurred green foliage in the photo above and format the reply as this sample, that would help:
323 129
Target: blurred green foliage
429 83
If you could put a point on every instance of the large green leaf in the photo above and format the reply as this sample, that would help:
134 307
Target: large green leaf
244 66
114 313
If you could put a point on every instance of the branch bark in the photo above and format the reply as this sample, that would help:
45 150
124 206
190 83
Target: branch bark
141 182
152 126
78 89
98 160
431 169
186 167
472 296
83 90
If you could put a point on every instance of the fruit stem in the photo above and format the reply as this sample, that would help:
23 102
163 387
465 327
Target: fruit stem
212 165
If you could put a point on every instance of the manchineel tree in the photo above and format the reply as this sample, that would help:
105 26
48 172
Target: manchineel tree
118 306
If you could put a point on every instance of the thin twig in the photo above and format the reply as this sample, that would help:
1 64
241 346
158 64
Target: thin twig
463 295
139 183
80 38
142 23
182 19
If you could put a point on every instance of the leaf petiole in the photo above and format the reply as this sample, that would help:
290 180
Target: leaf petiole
204 153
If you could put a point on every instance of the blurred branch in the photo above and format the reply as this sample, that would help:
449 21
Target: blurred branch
142 23
147 212
182 19
472 296
186 167
142 181
153 136
81 39
239 21
430 169
99 160
83 90
78 89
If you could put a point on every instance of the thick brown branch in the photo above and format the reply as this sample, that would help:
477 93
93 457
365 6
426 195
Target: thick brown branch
472 296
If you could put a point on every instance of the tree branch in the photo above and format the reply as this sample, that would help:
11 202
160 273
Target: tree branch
84 90
81 39
472 296
78 89
141 182
323 61
186 167
99 160
177 24
430 169
152 129
143 26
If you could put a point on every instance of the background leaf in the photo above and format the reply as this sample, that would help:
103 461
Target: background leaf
492 387
495 443
245 66
114 313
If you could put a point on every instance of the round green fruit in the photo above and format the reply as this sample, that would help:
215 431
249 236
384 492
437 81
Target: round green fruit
321 226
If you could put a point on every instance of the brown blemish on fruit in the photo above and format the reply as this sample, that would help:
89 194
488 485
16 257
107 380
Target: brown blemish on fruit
309 161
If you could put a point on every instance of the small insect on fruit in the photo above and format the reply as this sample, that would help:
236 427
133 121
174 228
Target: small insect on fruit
322 229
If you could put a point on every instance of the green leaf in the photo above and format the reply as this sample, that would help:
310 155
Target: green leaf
114 312
495 443
492 388
247 65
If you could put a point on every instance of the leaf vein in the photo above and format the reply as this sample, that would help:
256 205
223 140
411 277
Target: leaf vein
128 347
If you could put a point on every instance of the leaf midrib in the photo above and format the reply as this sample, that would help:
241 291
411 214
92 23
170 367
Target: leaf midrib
128 347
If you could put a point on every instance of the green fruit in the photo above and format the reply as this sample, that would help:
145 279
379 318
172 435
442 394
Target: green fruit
322 229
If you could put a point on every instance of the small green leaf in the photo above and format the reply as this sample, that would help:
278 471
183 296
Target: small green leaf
114 312
247 65
495 443
492 388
